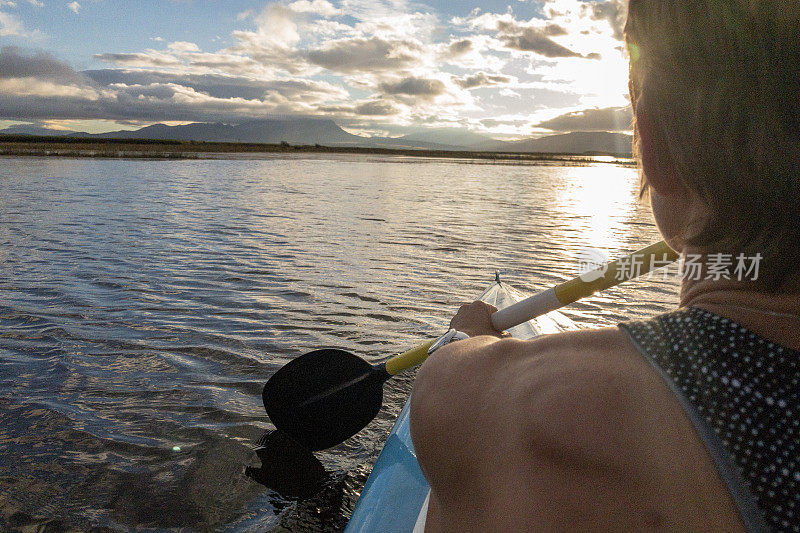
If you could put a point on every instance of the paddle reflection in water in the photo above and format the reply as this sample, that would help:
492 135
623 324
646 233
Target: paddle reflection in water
287 467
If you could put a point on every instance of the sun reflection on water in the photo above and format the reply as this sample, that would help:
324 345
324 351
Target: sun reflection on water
599 200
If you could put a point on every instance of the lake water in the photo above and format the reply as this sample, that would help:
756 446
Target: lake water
143 304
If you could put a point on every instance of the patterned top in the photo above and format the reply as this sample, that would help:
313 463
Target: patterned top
742 394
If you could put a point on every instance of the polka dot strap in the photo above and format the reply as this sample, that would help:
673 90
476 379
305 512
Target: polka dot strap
743 393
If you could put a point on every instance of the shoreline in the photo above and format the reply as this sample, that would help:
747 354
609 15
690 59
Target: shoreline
21 145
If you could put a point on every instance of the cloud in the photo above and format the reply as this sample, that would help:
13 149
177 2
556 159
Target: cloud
374 65
183 46
13 3
273 44
74 7
276 27
36 80
421 26
36 85
376 10
532 39
229 63
316 7
420 87
554 30
246 14
366 55
369 108
151 58
459 48
566 64
481 79
11 25
535 35
155 103
615 12
15 63
46 89
376 108
605 119
219 86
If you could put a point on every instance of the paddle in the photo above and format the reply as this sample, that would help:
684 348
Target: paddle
326 396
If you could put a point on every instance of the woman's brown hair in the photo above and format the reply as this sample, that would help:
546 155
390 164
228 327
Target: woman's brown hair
722 80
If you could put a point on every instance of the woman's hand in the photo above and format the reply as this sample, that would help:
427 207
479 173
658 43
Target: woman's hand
476 319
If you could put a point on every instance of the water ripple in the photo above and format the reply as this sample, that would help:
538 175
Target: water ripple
144 303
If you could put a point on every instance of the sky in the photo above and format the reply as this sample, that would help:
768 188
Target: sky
508 69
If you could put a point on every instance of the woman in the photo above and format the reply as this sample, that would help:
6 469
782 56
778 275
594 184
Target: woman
687 421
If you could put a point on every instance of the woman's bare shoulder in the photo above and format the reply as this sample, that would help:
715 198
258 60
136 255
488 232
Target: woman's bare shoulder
592 423
487 369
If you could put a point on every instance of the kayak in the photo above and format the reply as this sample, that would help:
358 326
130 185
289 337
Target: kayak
395 496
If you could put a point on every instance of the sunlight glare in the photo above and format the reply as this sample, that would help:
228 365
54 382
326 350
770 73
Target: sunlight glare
600 201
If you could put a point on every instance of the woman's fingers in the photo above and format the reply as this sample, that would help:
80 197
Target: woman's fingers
475 319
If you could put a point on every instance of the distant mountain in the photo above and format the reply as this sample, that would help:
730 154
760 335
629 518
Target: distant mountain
270 131
459 138
30 129
302 130
402 143
577 142
198 131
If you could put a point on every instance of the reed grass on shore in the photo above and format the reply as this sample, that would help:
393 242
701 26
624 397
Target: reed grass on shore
29 145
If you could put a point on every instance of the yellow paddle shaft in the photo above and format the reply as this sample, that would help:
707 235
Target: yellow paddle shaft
412 357
634 265
613 273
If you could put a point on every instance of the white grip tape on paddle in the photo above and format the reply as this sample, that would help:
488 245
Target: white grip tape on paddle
527 309
451 336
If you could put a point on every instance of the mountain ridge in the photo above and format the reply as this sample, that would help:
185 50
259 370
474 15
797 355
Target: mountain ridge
325 132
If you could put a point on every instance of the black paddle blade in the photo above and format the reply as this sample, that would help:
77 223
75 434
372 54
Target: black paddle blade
324 397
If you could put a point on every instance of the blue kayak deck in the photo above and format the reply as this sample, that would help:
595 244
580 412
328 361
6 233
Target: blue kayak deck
396 490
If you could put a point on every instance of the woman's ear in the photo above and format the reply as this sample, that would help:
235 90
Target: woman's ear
659 169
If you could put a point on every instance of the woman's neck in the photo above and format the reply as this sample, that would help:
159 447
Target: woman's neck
773 316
